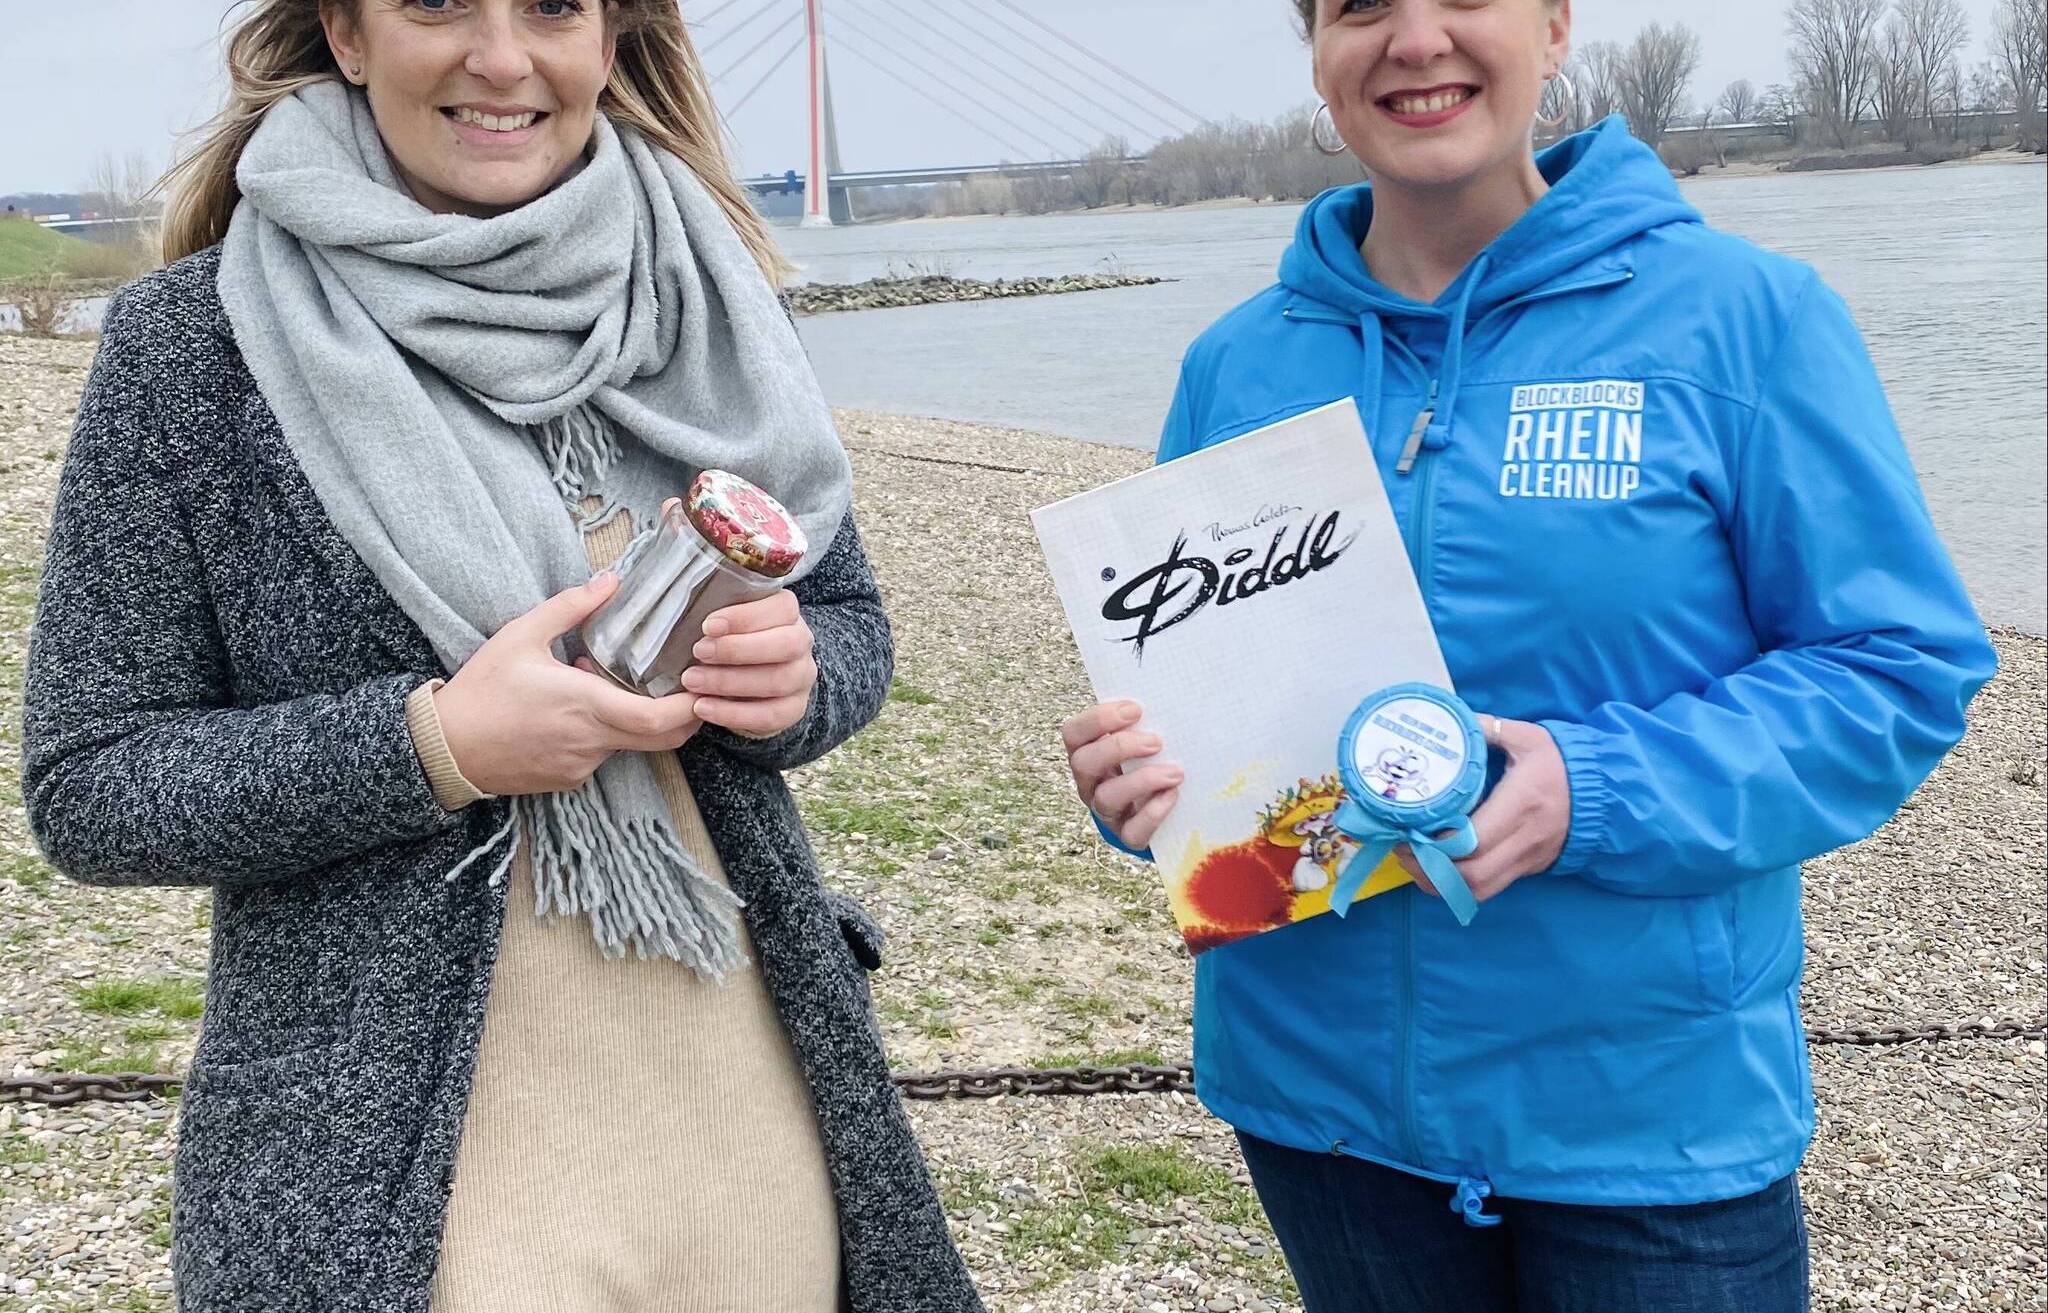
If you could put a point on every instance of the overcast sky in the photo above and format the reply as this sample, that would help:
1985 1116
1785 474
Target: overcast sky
84 77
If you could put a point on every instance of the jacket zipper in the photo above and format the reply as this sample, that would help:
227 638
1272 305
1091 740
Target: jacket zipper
1421 556
1422 526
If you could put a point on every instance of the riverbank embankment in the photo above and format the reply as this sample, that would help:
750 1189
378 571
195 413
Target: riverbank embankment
1016 937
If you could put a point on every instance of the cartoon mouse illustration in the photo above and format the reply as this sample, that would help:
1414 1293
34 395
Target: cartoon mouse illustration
1400 775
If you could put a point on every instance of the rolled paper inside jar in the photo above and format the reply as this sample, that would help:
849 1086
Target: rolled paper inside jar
644 638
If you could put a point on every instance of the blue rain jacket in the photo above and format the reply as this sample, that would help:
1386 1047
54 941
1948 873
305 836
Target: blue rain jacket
1657 503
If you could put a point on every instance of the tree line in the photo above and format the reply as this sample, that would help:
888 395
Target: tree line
1888 71
1888 68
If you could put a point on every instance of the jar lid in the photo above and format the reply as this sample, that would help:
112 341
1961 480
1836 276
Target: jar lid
748 526
1413 755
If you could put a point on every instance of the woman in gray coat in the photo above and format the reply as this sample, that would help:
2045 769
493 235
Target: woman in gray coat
525 994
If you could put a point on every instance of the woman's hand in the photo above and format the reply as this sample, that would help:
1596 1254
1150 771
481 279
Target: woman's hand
1523 823
1099 741
518 721
755 669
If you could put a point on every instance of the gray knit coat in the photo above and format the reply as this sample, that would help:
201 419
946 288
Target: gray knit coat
215 696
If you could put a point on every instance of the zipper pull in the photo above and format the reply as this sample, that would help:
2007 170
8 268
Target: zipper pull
1413 447
1469 1203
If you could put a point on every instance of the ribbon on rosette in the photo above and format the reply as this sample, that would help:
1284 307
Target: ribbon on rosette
1413 762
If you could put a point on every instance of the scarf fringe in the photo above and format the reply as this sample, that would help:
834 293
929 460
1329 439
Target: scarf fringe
581 447
640 889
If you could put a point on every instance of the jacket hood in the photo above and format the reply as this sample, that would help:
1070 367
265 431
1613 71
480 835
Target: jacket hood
1606 188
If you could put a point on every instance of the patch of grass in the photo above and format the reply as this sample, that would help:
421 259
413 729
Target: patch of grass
911 695
28 872
180 998
1080 1235
1086 1007
158 1220
894 823
1150 1173
966 1189
1113 1058
29 250
930 1014
1158 1174
16 1151
141 1299
79 1057
1025 989
150 1032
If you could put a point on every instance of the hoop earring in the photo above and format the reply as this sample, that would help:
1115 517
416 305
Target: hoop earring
1324 144
1567 98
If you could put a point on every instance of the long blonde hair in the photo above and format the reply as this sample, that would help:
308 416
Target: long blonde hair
657 86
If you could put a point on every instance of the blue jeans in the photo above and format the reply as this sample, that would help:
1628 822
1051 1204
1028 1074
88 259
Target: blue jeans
1367 1239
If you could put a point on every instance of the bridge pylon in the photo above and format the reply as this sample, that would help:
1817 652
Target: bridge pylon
823 206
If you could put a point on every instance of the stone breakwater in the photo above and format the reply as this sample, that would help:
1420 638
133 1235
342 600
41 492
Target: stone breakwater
889 293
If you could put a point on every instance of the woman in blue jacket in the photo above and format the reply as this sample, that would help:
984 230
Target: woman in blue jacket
1675 552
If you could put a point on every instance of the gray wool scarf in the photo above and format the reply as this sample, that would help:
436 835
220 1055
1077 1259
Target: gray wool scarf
449 383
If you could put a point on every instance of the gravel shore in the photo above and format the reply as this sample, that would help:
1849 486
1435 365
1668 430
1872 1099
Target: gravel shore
1017 938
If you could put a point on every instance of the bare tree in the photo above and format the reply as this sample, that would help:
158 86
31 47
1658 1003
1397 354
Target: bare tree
2019 47
1835 54
1656 70
120 186
1595 73
1952 99
1103 174
1739 102
1895 92
1785 106
1934 33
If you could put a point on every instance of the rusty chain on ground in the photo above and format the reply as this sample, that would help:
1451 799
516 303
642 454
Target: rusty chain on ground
62 1090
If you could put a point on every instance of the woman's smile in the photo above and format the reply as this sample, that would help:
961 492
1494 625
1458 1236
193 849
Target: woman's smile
1428 107
494 127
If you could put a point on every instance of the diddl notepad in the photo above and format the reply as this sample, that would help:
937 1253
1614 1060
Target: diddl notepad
1248 596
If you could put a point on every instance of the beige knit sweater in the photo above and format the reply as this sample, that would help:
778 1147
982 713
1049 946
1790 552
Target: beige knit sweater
637 1140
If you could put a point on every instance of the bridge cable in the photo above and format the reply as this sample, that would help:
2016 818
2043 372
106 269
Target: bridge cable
737 28
1094 133
1125 74
1031 41
773 69
793 20
1035 87
710 18
1021 153
1029 134
948 9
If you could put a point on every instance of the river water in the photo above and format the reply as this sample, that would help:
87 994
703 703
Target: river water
1946 270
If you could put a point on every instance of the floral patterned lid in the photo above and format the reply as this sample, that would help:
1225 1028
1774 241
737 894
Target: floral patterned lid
751 528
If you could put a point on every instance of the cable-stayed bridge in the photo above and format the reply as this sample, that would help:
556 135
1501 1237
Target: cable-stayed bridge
1042 100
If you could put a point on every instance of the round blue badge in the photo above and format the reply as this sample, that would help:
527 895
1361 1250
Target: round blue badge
1413 762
